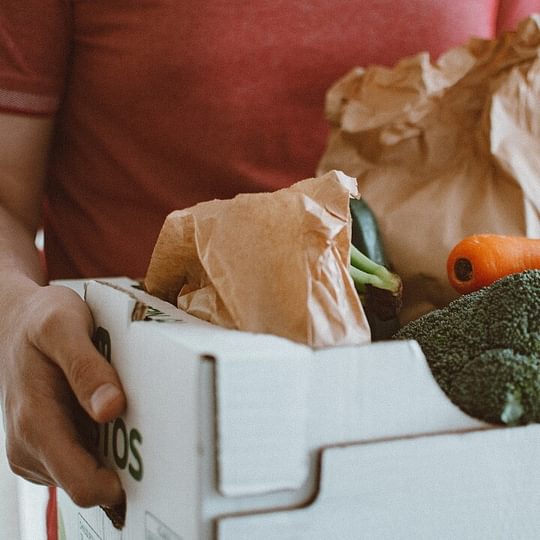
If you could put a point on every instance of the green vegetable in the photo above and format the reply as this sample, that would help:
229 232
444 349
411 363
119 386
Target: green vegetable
484 349
370 270
376 284
365 231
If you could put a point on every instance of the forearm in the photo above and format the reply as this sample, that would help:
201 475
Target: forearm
24 145
19 259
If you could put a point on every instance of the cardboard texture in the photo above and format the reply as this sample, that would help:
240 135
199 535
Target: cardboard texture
443 150
266 262
9 511
469 486
31 500
225 423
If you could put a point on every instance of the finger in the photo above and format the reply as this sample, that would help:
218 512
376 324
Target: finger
86 481
49 437
80 474
100 487
64 337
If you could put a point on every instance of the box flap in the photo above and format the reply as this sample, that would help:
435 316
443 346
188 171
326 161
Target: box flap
481 484
262 412
274 411
378 391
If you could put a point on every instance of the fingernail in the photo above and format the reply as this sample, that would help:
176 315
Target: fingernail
103 396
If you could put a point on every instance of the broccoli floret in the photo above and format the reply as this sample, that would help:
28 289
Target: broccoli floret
484 349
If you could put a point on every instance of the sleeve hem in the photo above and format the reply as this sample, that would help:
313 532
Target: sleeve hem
24 102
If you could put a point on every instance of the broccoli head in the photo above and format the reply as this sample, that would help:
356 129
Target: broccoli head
484 349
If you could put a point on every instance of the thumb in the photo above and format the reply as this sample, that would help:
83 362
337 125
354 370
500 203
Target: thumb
64 337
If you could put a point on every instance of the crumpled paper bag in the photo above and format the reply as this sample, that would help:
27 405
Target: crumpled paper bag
443 150
266 262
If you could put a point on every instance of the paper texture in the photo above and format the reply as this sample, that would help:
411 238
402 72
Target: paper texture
443 150
266 262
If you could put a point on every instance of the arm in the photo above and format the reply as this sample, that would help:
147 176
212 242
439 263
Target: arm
50 372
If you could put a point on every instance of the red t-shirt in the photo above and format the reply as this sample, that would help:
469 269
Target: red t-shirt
163 104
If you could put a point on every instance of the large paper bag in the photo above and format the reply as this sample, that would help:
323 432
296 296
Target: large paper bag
266 262
443 150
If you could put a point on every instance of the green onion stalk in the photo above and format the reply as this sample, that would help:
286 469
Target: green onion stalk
380 290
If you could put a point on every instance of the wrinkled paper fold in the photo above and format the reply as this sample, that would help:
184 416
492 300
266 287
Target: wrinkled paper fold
266 262
443 150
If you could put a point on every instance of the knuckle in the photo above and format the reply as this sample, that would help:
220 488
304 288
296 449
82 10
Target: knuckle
47 324
55 308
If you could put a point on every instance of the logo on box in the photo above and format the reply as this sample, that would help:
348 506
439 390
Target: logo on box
116 438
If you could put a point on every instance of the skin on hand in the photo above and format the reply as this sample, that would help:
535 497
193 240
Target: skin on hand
52 382
52 379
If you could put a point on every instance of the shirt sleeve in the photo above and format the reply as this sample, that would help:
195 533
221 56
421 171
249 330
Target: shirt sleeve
34 52
511 12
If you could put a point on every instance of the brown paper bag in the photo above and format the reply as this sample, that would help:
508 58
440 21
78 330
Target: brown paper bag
443 150
266 262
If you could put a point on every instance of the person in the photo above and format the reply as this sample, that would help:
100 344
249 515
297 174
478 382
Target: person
113 114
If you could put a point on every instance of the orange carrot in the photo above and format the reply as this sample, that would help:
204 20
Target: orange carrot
481 259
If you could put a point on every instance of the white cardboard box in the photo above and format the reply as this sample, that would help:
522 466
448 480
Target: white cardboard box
9 508
230 435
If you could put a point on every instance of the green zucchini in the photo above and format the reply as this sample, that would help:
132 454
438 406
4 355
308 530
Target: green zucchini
366 237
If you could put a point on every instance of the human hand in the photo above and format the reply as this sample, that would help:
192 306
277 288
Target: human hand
52 383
